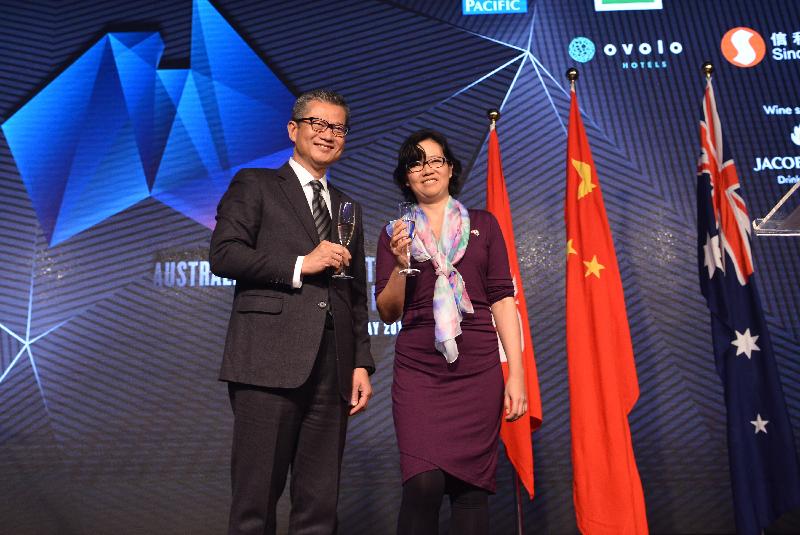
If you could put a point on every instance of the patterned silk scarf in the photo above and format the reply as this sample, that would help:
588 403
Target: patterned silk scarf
450 298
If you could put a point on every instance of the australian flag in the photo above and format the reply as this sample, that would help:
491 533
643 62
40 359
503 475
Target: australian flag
763 459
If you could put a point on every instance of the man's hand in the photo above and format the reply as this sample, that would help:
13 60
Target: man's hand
362 391
325 255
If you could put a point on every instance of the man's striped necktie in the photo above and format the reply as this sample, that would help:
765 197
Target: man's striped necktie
322 218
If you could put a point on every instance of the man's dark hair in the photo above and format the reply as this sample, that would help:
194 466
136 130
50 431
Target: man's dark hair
323 95
411 152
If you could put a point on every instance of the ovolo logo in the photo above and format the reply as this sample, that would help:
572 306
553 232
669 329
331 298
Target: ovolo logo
581 49
743 47
633 55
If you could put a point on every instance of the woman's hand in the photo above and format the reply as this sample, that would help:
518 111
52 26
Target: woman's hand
399 242
516 398
506 320
391 300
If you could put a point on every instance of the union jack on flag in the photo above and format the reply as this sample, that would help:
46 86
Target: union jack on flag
763 461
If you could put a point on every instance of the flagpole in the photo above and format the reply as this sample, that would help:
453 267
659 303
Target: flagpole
518 504
572 76
494 116
708 69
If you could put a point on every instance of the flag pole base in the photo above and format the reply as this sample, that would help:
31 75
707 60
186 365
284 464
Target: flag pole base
520 527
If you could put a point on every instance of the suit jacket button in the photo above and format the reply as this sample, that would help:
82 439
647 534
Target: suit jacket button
322 304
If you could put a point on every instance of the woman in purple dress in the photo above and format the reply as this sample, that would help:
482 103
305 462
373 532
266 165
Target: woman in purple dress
447 394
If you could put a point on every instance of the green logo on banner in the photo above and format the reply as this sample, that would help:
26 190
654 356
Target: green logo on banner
626 5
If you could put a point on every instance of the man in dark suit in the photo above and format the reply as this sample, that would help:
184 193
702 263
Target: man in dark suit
297 358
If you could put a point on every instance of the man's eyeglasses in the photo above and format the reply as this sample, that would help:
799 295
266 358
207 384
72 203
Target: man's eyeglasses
434 163
320 125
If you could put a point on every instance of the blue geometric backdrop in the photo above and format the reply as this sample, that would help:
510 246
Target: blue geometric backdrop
178 134
122 123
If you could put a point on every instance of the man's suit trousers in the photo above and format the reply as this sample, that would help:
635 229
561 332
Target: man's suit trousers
274 429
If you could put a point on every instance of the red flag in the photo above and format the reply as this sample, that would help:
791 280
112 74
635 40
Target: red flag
603 386
516 435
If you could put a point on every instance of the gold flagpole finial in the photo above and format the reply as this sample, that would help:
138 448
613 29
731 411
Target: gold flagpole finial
494 116
572 76
708 69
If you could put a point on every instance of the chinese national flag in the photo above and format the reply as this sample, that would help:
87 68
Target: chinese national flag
603 385
516 435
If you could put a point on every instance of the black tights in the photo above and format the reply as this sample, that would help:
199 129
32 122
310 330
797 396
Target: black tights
422 498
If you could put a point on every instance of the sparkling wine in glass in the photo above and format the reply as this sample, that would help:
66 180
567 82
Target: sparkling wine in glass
407 215
345 226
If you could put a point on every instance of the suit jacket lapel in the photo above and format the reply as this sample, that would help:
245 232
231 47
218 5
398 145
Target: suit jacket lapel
290 185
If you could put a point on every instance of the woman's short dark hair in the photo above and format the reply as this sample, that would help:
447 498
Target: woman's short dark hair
410 152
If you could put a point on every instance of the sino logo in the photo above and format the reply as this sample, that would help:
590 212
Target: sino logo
633 55
743 47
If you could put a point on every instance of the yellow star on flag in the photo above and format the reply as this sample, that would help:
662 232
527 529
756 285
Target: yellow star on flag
593 267
570 248
585 172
